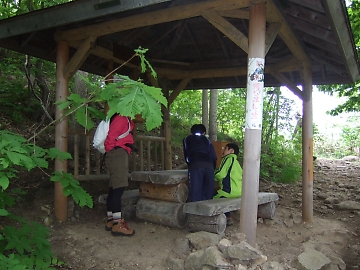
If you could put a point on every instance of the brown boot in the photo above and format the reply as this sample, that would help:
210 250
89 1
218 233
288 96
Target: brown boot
109 224
121 228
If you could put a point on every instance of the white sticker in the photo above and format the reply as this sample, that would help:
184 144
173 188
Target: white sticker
255 92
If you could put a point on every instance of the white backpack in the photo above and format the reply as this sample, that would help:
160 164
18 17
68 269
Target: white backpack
101 134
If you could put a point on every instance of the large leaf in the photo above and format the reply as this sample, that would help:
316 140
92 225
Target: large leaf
82 117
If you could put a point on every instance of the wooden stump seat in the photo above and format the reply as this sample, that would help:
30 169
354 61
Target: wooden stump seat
209 215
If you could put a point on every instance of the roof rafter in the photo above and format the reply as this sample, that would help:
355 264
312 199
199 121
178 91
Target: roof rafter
155 17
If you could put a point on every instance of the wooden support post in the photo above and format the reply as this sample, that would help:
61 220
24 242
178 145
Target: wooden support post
148 156
61 128
307 150
254 110
167 130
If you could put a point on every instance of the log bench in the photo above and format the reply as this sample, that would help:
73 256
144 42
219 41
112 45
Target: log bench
163 195
128 202
209 215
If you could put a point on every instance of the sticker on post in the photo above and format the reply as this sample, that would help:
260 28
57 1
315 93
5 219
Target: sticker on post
255 92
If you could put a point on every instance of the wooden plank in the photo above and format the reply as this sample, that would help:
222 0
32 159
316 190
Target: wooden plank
169 14
311 4
227 29
223 205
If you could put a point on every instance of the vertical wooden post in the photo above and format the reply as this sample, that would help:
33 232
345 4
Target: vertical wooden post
167 129
205 108
254 108
307 150
212 131
61 128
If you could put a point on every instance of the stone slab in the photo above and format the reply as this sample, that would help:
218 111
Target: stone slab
223 205
167 177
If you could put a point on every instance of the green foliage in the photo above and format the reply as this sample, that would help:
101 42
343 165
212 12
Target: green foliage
72 187
128 97
281 162
124 96
344 140
26 246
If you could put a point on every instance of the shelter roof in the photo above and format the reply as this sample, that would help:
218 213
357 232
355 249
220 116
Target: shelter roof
195 44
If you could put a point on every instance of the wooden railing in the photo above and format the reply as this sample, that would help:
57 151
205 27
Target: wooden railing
150 156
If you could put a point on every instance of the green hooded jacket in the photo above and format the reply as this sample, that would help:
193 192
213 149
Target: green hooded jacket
229 176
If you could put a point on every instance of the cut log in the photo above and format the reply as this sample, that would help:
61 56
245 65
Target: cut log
171 193
161 212
267 210
214 224
128 212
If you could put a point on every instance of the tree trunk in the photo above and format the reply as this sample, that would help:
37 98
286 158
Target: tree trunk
213 115
205 108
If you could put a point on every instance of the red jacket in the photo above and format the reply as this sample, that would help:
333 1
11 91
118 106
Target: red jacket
118 126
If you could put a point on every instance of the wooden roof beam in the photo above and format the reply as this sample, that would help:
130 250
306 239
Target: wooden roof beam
274 15
338 70
236 13
175 13
196 44
292 87
184 82
271 33
173 74
227 29
79 57
105 53
344 38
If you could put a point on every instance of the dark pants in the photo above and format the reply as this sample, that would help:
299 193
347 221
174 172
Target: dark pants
201 184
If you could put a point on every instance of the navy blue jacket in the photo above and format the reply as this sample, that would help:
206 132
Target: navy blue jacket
199 152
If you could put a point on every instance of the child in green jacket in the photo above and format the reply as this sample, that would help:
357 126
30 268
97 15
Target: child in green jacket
229 175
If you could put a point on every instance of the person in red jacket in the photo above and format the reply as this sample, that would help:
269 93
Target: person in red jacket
118 146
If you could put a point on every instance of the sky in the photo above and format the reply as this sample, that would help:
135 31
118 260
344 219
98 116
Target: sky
321 104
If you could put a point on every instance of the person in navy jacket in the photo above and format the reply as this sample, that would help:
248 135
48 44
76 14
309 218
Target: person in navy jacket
201 158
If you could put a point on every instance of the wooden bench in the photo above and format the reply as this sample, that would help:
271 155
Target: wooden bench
209 215
162 196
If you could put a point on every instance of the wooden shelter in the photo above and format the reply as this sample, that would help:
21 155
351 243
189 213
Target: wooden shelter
199 44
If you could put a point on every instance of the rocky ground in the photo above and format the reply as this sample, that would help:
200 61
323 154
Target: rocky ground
82 243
